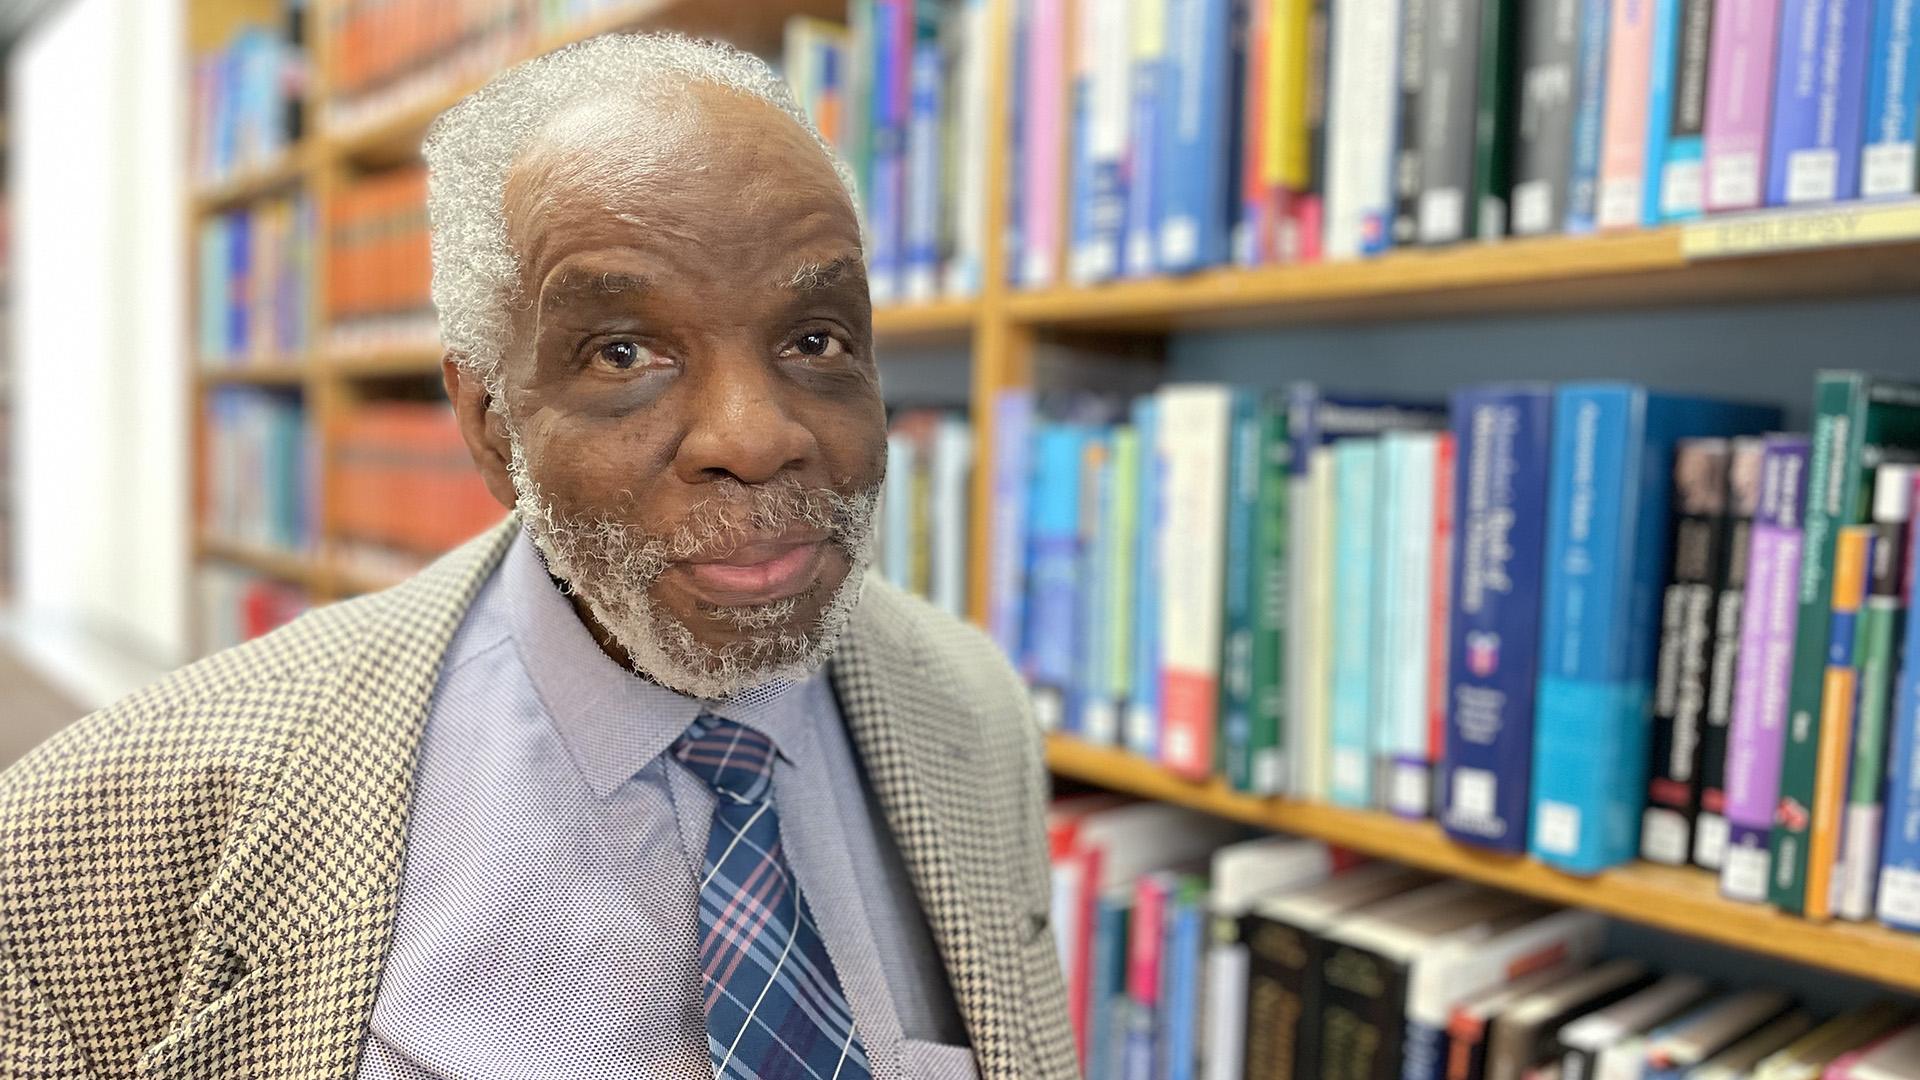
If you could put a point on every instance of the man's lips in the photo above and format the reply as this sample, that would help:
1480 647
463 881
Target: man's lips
758 573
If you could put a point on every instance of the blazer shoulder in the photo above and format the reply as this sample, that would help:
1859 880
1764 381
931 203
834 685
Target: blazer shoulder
969 659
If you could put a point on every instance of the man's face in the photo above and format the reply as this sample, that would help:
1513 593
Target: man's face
696 430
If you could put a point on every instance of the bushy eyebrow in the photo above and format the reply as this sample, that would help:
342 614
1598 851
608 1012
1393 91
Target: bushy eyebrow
812 277
587 284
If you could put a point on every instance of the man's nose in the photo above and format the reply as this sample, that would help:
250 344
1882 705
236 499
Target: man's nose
740 422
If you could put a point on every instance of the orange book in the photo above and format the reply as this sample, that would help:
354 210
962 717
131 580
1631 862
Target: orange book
1836 719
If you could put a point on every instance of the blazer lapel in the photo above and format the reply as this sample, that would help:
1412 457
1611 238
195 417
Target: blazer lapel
916 735
295 923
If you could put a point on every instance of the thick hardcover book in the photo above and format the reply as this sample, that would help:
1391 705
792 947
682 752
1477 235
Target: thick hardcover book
1195 434
1361 96
1881 621
1898 903
1142 723
1606 554
1502 437
1267 765
1744 464
1819 91
1449 67
1409 118
1623 141
1685 656
1146 74
1053 583
1403 592
1739 102
1757 731
1584 1038
1524 1035
1589 116
1196 135
1887 160
1237 602
1543 137
1736 1062
1852 413
1240 876
1853 554
1355 649
1472 1020
1007 586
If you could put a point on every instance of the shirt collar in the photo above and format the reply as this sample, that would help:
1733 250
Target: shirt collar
613 722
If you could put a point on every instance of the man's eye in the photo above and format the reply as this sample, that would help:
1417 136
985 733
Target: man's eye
624 355
818 344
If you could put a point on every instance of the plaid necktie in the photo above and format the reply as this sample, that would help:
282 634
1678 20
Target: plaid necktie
774 1006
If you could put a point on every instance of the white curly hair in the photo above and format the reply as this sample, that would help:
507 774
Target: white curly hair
471 148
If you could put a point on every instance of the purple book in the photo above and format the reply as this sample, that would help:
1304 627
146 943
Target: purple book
1739 99
1758 730
1819 91
1007 581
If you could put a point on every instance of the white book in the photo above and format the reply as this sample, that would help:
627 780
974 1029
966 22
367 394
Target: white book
1316 719
1362 888
1362 83
895 557
1522 1030
1610 1029
1457 972
951 473
1105 31
1714 1028
1406 548
1193 433
1736 1061
1302 535
968 201
1898 1058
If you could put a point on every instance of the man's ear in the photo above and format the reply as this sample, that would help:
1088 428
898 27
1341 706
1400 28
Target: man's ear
484 431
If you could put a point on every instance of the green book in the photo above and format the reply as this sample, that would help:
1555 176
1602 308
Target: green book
1857 419
1267 752
1493 119
1235 747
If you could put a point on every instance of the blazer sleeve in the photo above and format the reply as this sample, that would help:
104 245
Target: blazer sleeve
33 1038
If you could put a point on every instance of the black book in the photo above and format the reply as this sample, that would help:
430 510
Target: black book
1543 139
1743 498
1408 147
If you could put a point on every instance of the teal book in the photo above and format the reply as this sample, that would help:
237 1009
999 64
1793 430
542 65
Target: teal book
1356 470
1267 754
1237 602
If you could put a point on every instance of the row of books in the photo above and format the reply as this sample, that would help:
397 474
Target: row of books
400 479
249 98
1457 612
259 481
1157 136
380 263
238 605
922 528
1192 952
902 93
255 279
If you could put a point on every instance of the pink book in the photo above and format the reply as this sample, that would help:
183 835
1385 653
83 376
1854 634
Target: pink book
1739 99
1623 152
1440 609
1150 897
1043 188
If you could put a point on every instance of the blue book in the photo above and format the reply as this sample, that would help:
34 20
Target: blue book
239 280
1180 1003
1053 571
925 195
1606 556
1143 707
1664 150
1590 99
1195 193
1107 989
1502 438
1094 686
1235 748
885 218
1081 164
1012 484
1819 91
1142 160
1355 466
1893 99
1898 903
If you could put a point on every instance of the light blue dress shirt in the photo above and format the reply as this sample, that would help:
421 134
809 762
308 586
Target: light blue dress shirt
548 923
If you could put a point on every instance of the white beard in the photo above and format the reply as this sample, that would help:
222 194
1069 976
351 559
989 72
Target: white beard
614 567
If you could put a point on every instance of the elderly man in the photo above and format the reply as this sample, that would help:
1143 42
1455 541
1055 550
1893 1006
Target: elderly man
651 780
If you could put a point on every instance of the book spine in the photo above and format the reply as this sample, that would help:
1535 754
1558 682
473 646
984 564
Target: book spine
1195 431
1543 141
1853 551
1105 37
892 45
1663 71
1268 749
1495 117
1143 168
1144 961
1317 742
1680 681
1439 608
1589 116
1830 465
1224 1009
1351 712
1019 136
1623 148
1309 215
1679 187
1406 780
1887 160
1044 127
1254 231
1143 709
1739 102
966 273
1279 973
1389 511
1012 424
1881 620
1743 488
1448 128
1814 147
1757 733
1360 127
1237 601
1503 442
1122 526
1090 701
1198 132
1181 1011
1053 587
1363 997
1408 159
1898 902
1107 990
924 192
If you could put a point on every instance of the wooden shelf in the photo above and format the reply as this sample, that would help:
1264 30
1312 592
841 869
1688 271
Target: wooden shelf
286 172
940 321
400 361
1680 900
1644 269
280 374
286 566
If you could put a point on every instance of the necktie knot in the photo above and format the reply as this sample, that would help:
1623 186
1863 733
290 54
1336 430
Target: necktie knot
734 759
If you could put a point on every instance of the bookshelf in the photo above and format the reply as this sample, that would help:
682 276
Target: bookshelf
1845 251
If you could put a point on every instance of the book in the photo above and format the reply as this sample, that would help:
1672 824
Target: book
1090 711
1894 1056
1295 90
1739 103
952 473
1007 546
1673 188
1549 55
1404 592
890 101
1195 433
1054 567
1044 129
1148 974
1756 734
1355 645
1503 436
1255 233
924 198
1808 1056
1146 74
1316 721
973 94
1408 169
1108 1009
1197 131
1240 876
1893 100
1582 1041
1876 640
1104 40
1238 600
1120 525
1439 607
1267 764
1186 933
1696 570
1525 1033
1142 731
1819 87
1898 901
1470 1021
1589 116
1736 1061
1744 464
1852 412
1625 116
1674 1050
1606 548
1361 85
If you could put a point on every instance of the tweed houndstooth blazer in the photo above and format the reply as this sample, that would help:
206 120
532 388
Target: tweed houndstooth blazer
200 881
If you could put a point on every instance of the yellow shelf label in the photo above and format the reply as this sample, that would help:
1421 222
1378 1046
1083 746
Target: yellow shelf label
1798 230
